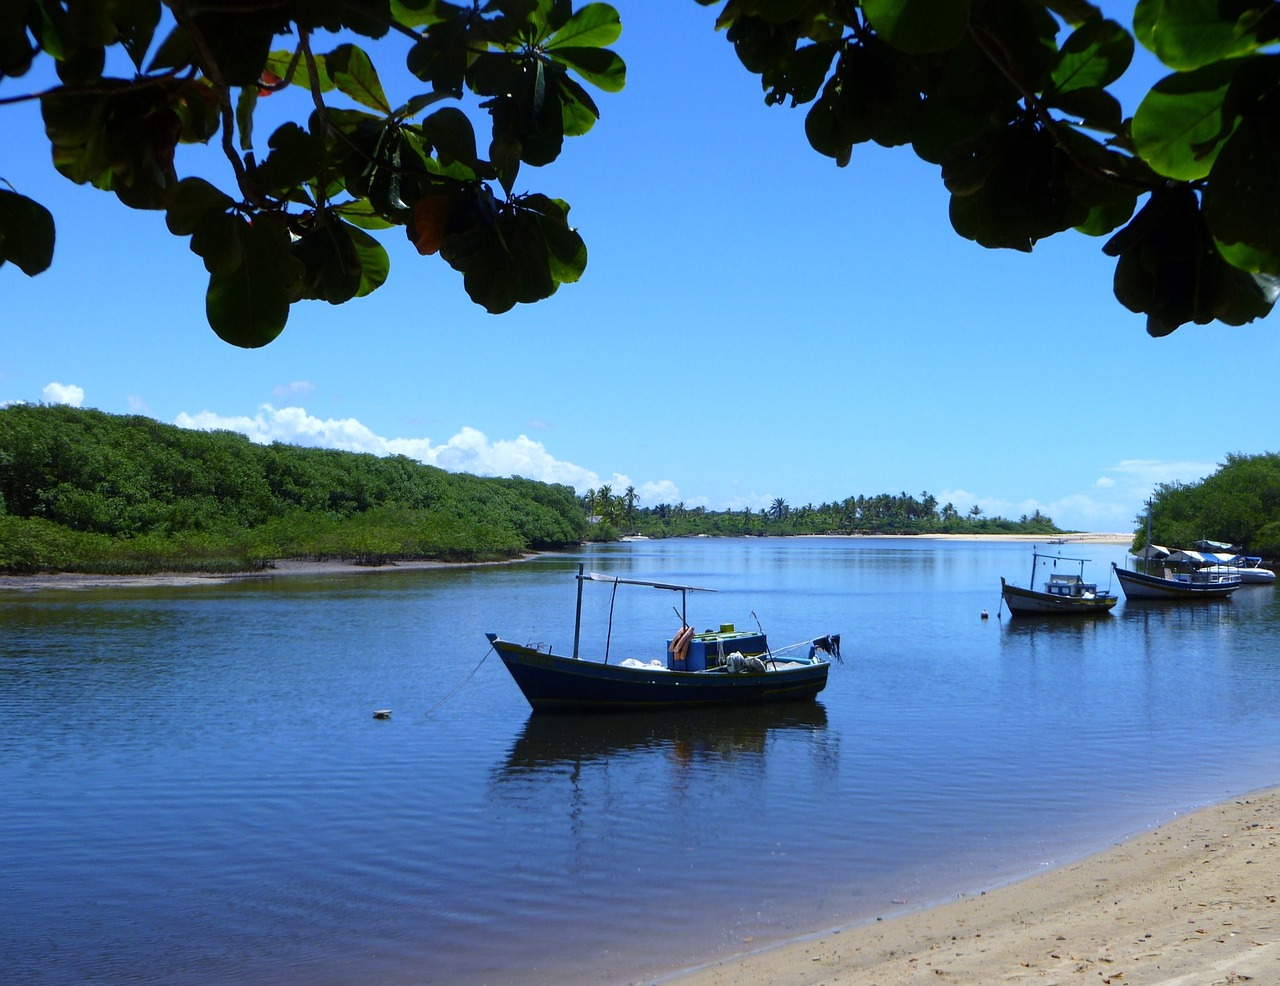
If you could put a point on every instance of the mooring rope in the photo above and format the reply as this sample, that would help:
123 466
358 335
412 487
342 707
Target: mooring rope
458 688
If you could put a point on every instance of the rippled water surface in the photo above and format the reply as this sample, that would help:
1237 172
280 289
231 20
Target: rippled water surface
193 789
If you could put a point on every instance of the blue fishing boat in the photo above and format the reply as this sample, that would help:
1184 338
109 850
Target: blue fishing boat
714 667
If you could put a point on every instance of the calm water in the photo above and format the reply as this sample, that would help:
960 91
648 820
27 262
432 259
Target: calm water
193 789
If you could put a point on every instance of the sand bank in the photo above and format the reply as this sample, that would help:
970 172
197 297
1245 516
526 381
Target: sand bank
1191 903
283 567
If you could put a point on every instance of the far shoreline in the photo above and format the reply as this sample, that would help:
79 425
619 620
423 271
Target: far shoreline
287 567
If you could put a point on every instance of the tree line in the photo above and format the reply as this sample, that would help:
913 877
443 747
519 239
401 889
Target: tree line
884 513
82 490
1238 504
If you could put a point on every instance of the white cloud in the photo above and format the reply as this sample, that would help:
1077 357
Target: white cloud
663 491
1149 473
63 393
470 450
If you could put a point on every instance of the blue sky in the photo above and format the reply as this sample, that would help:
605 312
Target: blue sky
754 322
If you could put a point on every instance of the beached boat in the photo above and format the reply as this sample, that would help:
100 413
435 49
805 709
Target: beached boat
1172 586
1064 593
724 666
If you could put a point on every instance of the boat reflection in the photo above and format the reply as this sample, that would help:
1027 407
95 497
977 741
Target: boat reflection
693 736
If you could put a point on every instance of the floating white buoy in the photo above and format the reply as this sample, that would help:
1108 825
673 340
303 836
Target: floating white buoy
382 714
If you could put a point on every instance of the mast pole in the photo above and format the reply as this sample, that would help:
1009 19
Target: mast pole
577 617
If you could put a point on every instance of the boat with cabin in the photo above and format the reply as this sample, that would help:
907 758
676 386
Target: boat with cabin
1064 593
1161 581
1170 585
714 667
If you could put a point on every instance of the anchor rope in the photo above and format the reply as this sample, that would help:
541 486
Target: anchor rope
458 687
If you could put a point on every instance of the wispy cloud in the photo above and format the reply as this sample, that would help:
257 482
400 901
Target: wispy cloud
299 388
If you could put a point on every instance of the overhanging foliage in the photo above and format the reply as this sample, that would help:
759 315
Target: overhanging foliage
295 225
1014 100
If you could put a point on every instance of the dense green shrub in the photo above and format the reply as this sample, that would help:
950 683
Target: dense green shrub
88 491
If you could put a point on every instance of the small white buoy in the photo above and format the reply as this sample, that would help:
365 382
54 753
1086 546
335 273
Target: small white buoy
984 614
382 714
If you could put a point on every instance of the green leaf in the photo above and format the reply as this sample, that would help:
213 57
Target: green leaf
1012 189
578 111
1179 126
136 21
332 269
800 74
216 240
361 213
601 68
918 25
295 159
1074 12
26 233
1170 269
1188 34
1093 57
592 26
450 132
189 201
353 73
249 306
1095 108
421 13
504 154
566 251
245 106
289 65
442 56
1242 200
238 38
375 265
871 96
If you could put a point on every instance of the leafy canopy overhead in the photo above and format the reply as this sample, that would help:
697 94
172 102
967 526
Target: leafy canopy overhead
1014 100
297 222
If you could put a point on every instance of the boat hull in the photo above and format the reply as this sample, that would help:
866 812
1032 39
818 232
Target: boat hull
564 684
1139 585
1030 602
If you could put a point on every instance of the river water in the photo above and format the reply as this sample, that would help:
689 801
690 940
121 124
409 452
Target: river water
194 789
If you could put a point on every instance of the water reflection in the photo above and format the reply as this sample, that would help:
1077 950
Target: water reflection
549 743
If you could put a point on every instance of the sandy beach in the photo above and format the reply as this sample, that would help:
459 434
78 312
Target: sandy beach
1191 903
279 568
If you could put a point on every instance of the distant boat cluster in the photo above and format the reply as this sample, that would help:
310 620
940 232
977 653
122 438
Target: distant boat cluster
1211 570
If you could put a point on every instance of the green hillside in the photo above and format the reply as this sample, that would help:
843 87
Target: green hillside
85 491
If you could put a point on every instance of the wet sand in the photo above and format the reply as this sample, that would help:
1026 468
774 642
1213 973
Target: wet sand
1191 903
280 568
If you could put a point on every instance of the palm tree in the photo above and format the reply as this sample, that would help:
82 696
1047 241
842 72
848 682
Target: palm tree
779 509
629 497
